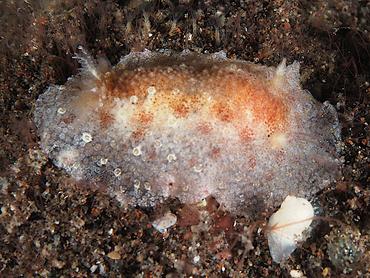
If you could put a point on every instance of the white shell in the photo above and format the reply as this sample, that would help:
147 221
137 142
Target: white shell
286 227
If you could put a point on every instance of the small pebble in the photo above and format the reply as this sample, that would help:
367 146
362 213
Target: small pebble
296 273
93 268
114 255
163 223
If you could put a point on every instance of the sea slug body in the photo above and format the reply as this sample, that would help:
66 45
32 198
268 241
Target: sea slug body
189 125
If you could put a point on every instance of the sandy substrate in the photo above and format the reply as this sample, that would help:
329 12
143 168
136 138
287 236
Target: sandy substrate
52 226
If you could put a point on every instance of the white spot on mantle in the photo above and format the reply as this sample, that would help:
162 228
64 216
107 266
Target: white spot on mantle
86 137
136 151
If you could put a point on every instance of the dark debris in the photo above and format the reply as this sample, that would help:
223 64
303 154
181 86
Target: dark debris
51 226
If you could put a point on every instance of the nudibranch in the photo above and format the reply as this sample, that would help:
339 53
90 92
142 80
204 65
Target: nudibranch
188 125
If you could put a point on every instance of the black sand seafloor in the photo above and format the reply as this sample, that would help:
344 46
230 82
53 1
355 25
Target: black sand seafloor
54 226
